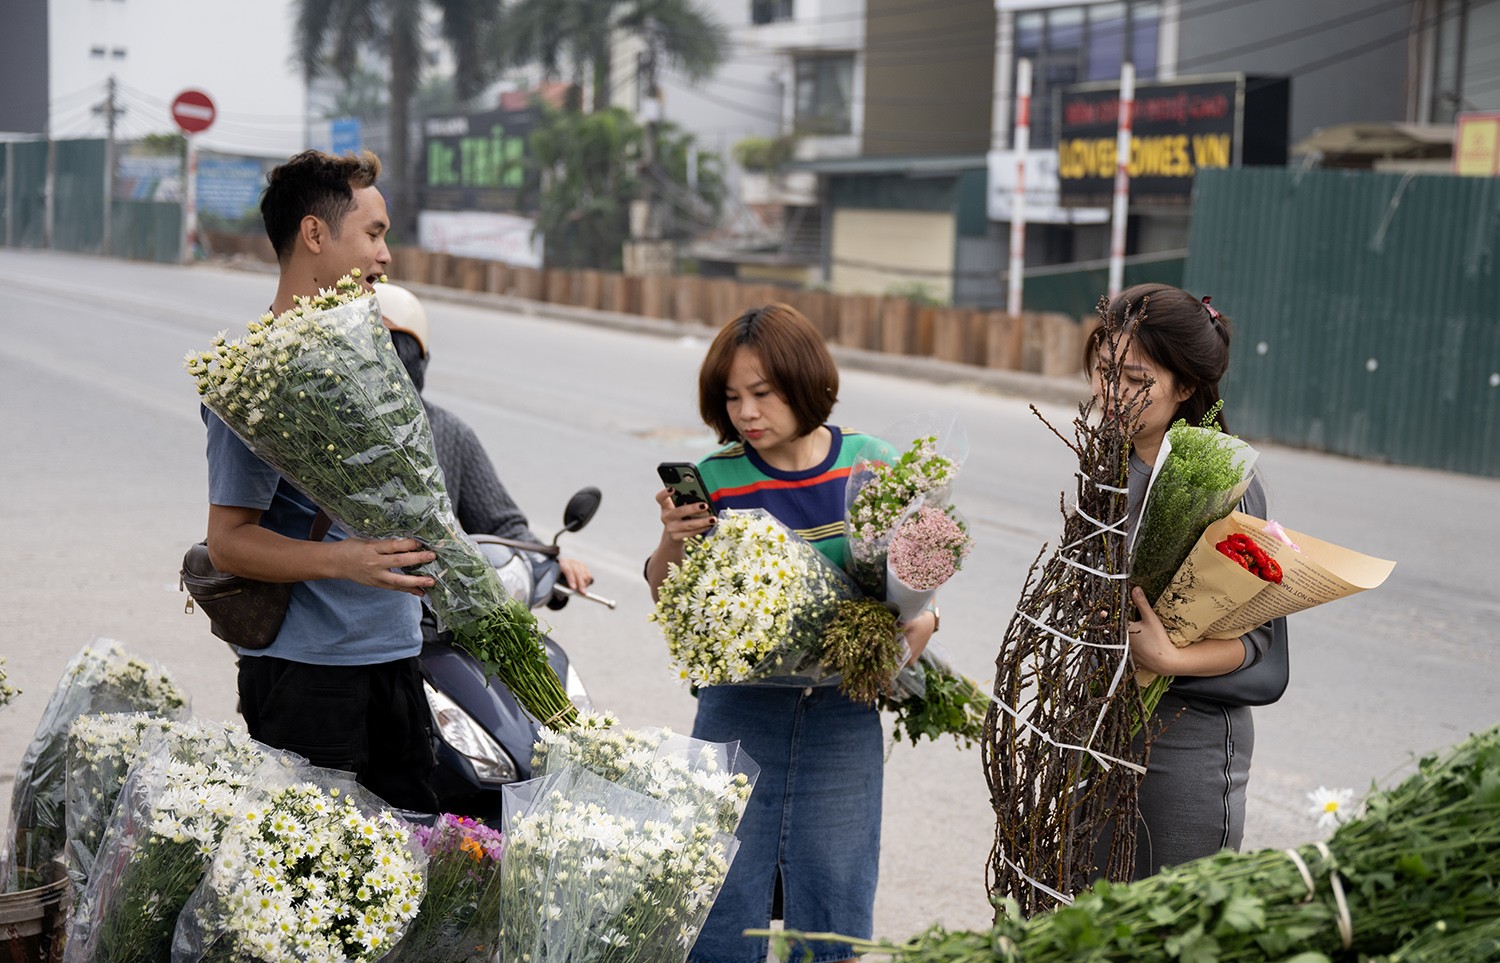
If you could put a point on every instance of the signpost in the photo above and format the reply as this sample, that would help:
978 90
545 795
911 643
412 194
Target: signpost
194 112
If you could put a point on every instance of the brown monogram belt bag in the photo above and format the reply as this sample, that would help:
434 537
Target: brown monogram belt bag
241 611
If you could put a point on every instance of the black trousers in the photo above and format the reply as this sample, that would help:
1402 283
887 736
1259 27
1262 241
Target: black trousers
370 720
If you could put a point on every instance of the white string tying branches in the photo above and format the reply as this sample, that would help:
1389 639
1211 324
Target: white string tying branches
1057 750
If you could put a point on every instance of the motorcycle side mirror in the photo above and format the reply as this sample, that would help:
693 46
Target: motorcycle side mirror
581 508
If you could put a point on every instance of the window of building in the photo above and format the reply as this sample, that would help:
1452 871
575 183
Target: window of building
825 94
770 11
1088 42
118 53
97 53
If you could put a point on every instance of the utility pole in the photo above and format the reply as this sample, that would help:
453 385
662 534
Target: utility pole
648 251
110 112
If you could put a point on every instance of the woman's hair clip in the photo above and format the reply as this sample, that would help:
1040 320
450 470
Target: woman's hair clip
1213 312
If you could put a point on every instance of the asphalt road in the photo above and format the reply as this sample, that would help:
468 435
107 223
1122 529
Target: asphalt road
101 469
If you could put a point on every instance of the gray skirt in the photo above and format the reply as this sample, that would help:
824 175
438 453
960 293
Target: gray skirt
1192 797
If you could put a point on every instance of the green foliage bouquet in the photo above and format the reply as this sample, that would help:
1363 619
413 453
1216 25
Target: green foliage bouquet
458 921
748 603
318 872
320 395
182 792
101 677
598 873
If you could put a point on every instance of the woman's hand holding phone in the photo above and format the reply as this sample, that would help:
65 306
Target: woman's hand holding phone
682 521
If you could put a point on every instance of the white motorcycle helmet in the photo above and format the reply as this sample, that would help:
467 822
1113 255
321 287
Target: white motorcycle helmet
401 311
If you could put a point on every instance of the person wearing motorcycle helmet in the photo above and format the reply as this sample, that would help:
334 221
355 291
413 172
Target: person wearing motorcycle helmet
480 500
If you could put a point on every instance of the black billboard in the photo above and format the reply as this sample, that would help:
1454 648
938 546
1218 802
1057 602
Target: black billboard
1178 126
477 162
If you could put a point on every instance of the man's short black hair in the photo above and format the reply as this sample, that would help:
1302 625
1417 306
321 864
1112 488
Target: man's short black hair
315 183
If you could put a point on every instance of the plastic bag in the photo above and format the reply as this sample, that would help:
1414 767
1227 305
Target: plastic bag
459 918
101 677
748 604
595 872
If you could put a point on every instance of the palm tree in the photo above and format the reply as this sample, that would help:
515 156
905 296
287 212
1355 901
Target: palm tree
579 32
332 33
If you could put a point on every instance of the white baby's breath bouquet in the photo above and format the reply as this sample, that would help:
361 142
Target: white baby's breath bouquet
316 873
182 791
101 677
319 394
748 603
702 780
597 873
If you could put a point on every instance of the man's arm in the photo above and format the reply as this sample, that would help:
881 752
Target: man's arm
238 544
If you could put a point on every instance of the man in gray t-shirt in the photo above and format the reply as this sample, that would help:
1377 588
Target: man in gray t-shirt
341 684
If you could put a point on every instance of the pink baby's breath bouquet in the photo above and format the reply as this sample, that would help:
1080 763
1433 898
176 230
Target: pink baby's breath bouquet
928 549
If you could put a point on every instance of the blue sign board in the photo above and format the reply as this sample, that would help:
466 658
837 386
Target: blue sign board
344 132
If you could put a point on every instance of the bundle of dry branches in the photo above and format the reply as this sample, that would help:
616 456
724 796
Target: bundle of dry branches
1057 746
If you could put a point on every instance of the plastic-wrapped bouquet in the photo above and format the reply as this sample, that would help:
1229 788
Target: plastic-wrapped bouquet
101 677
748 603
182 792
708 780
321 396
459 919
595 872
318 872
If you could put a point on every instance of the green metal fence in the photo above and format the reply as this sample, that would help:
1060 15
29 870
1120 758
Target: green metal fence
1366 310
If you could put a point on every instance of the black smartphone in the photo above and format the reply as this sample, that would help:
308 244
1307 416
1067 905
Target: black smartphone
686 486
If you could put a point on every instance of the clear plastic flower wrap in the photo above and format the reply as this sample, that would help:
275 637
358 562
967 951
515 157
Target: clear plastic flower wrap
912 464
319 394
707 780
183 789
319 871
931 698
101 677
459 918
597 873
748 603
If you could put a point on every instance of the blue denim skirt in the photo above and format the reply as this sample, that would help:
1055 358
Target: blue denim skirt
813 819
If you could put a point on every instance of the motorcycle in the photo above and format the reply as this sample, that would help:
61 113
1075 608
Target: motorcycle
482 738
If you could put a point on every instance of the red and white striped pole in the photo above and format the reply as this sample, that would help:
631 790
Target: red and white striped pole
1122 181
1021 144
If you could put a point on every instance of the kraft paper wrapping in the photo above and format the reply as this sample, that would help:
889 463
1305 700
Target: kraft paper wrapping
1212 597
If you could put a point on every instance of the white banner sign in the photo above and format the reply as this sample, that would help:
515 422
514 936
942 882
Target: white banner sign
483 234
1042 205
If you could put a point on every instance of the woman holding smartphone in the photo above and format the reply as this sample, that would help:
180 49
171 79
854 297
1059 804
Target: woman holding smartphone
810 838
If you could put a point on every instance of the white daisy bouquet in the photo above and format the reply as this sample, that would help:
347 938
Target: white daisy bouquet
318 872
101 677
180 795
319 394
103 748
701 780
8 692
748 603
597 873
458 921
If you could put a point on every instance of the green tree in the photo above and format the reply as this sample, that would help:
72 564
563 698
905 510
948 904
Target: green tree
590 167
332 34
577 33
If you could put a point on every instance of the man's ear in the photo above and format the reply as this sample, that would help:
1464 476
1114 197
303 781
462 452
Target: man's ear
312 233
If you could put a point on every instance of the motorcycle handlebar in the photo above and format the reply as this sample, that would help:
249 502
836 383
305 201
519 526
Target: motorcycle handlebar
562 589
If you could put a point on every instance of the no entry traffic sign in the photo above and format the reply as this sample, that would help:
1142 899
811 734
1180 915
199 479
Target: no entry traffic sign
193 111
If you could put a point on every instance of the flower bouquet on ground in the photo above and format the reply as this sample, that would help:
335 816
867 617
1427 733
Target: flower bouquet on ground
1412 878
103 748
182 792
459 918
320 395
318 871
705 780
102 677
595 872
749 602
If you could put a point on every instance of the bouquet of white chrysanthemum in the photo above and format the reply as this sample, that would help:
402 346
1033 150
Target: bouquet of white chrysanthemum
459 918
703 780
102 748
7 691
102 677
181 793
319 872
597 873
319 394
748 603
